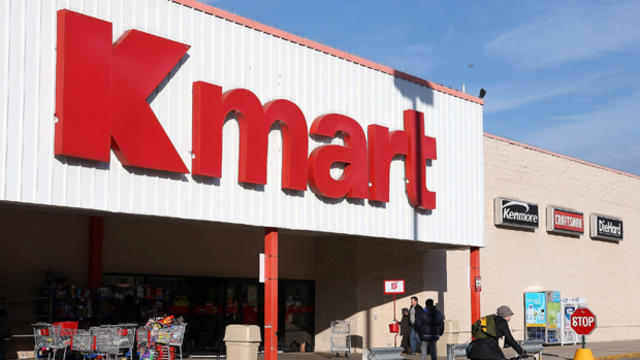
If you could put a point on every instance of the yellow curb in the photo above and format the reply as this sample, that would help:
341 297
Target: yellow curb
620 356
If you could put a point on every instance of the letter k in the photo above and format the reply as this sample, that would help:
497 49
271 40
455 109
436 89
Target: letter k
102 90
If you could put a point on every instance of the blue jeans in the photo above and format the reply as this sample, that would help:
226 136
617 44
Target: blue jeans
428 347
413 340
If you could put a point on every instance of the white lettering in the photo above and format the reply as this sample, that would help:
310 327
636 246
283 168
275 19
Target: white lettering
568 221
509 214
609 228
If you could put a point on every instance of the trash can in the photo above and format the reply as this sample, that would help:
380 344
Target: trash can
242 342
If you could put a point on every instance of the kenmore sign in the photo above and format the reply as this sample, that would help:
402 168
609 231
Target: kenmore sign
606 228
515 213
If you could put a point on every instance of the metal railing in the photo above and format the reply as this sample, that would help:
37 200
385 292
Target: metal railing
532 347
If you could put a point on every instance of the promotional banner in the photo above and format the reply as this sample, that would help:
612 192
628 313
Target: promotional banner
554 313
535 306
568 335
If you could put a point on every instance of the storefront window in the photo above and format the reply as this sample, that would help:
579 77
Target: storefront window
208 305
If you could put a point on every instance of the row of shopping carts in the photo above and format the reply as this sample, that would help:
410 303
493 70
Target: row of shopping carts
107 341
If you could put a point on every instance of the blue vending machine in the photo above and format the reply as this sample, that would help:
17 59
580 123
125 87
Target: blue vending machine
543 316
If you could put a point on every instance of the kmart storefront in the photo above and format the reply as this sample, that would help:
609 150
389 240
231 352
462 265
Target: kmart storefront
152 150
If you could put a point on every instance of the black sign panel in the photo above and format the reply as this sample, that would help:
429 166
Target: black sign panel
515 213
606 227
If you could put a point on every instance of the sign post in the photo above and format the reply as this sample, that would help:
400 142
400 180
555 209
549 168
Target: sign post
394 287
583 322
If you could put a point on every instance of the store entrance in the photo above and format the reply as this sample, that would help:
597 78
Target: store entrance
209 304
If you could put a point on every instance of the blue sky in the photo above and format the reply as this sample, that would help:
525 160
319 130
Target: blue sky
561 75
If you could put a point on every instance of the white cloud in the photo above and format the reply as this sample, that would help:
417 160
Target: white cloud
566 33
607 136
510 97
416 59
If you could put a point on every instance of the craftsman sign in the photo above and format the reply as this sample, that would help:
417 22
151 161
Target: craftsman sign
394 287
564 221
606 228
515 213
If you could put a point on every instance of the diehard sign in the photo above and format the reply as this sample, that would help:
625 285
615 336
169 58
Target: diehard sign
564 221
606 228
515 213
392 287
583 321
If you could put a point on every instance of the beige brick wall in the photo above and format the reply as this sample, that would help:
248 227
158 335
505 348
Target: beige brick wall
605 273
349 282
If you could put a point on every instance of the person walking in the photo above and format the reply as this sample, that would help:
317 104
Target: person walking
413 310
430 325
487 331
4 333
405 331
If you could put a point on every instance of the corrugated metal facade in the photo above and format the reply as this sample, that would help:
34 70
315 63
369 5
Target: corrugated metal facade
232 56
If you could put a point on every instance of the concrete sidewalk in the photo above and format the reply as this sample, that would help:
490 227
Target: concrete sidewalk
601 350
613 350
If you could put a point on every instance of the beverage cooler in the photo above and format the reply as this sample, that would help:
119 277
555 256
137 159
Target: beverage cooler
543 316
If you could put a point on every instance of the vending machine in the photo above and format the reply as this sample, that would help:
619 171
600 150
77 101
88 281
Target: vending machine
543 316
554 317
569 305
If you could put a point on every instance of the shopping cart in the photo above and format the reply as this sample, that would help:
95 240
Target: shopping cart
168 339
143 337
66 330
162 342
340 338
127 333
51 338
177 336
84 342
107 341
128 338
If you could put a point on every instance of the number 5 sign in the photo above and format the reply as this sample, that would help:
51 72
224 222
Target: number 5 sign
394 287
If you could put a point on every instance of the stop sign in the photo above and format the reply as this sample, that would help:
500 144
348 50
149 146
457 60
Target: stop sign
583 321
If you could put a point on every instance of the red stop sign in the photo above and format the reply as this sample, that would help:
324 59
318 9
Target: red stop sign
583 321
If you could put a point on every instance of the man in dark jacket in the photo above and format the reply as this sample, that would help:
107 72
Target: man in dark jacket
488 348
4 333
413 310
430 325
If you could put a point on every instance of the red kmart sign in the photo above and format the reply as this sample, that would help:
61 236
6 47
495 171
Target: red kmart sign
102 88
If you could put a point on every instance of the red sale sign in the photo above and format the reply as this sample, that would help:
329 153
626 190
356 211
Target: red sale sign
392 287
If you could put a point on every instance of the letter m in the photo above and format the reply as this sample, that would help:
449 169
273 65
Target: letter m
211 107
102 90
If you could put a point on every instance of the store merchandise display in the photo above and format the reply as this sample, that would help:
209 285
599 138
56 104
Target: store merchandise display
160 338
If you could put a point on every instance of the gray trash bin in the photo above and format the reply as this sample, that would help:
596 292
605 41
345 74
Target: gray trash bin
242 342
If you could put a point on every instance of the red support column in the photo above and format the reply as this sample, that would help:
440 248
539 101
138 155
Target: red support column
270 293
95 252
474 277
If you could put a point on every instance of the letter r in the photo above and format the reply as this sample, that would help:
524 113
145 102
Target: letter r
102 90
